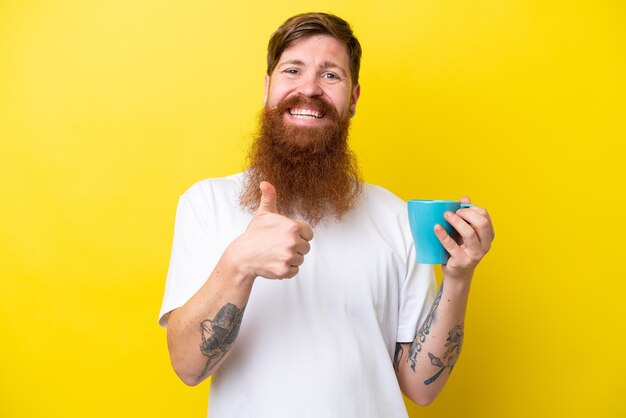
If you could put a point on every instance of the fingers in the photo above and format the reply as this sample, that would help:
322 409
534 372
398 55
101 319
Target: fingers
303 247
284 269
465 230
301 233
480 221
268 199
305 230
477 209
275 244
476 236
278 244
446 240
293 270
475 230
296 260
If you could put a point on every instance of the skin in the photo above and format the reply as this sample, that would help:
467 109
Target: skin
201 332
272 246
317 66
419 366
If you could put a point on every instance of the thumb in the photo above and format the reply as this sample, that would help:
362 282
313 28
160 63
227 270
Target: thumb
268 198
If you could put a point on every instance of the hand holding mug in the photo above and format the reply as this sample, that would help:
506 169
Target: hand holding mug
455 234
474 234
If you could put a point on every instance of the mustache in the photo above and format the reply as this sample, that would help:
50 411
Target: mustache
311 167
314 103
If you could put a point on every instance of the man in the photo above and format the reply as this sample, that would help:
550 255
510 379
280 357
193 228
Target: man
358 322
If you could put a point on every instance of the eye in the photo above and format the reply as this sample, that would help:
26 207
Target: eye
291 71
331 77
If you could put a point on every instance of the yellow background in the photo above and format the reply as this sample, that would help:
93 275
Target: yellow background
109 110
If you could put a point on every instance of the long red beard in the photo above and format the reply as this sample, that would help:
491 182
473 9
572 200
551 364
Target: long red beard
315 173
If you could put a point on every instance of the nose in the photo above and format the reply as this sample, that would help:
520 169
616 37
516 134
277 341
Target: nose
310 87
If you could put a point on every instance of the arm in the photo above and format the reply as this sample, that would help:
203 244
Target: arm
202 331
423 366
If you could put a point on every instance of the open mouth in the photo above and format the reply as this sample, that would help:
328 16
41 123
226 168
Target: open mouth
301 113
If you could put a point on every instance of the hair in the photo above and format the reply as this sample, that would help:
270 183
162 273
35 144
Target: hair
309 24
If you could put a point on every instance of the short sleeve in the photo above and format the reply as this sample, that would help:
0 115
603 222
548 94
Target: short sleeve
190 262
416 296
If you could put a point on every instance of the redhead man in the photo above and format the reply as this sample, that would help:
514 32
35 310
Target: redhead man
358 322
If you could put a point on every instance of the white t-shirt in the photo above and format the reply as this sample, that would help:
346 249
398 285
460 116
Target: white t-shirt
321 344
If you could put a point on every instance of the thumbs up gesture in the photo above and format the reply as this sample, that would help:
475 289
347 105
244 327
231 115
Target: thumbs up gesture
273 246
268 199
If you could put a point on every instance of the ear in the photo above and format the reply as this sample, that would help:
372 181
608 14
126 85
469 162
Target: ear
356 93
266 89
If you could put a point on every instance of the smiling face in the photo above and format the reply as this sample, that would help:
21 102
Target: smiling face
302 143
312 74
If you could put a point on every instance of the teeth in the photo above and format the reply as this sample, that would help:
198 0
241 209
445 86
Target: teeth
305 113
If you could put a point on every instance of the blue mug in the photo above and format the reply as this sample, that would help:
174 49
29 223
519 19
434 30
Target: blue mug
423 216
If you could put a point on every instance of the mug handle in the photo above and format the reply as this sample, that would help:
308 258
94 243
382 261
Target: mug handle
466 205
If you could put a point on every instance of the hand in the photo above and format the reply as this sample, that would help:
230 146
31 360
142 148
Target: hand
273 246
474 241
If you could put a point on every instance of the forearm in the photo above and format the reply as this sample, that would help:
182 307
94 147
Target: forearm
424 365
201 332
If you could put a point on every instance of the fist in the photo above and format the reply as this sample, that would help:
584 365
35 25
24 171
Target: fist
273 246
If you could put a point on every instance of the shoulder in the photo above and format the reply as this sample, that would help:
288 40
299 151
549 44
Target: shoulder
386 215
380 199
212 201
206 187
384 210
213 195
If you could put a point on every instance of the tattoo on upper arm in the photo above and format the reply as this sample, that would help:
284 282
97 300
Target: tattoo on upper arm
219 334
397 356
423 331
454 342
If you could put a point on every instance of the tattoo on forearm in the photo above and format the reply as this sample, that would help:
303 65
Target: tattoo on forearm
397 356
454 343
423 331
219 334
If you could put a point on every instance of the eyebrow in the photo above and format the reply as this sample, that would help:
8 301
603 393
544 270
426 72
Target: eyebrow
325 66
